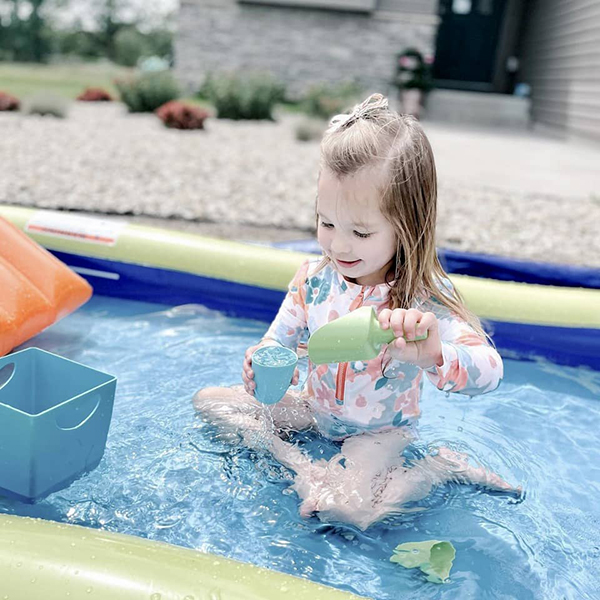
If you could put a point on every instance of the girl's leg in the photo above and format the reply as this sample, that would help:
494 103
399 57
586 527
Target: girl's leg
344 488
454 466
412 484
235 411
225 406
360 493
376 452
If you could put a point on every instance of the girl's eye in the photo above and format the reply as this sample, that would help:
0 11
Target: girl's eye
326 225
362 235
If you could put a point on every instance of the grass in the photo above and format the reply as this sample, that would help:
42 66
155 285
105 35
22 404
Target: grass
70 79
65 79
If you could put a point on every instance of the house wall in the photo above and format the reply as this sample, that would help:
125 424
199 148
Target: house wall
510 33
561 61
301 46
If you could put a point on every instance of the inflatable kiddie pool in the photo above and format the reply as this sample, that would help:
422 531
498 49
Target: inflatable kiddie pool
556 323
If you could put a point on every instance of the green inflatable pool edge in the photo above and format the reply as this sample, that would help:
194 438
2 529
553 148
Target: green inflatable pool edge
44 559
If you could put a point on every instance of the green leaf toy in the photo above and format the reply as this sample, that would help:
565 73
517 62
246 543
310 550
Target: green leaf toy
433 557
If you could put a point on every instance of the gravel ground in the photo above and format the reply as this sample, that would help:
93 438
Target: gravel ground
252 181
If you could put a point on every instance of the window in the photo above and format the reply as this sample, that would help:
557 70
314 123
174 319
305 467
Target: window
486 7
461 7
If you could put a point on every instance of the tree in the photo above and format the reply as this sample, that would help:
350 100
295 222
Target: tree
23 31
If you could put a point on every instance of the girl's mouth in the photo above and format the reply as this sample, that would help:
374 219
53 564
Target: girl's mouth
347 264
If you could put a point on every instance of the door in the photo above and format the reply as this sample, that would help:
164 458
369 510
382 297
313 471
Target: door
467 40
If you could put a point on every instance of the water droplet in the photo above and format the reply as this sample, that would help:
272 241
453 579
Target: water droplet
415 551
33 580
284 588
459 428
89 590
19 564
156 597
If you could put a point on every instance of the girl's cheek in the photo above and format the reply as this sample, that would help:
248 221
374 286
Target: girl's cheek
323 239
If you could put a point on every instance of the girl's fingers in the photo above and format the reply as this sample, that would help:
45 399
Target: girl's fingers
400 344
428 321
397 321
410 322
384 318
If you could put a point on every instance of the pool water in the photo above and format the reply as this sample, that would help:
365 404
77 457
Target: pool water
164 476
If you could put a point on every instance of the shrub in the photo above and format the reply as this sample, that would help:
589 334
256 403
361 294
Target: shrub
413 71
129 46
8 102
323 101
46 104
251 96
85 44
182 116
94 95
147 92
309 130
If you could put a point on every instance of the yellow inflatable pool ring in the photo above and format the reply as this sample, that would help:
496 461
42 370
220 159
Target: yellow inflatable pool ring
42 560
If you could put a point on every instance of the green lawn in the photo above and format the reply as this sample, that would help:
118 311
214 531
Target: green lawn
68 80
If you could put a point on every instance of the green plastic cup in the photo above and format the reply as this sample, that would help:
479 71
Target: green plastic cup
273 368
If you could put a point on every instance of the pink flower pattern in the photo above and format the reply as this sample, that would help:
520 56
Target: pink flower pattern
370 400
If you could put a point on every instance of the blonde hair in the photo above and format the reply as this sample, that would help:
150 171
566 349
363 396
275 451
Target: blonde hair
372 135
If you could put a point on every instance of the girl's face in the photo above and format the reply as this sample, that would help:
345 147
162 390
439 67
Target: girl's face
352 231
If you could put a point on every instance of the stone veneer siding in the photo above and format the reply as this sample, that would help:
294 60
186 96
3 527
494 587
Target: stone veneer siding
298 46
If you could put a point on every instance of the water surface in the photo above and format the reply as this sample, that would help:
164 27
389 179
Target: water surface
164 476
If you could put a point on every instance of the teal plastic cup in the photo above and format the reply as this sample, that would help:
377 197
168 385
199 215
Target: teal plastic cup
273 368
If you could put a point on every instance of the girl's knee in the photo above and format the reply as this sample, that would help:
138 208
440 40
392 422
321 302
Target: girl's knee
292 412
208 398
202 398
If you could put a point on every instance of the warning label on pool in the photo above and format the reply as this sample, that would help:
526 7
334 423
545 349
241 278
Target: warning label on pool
74 227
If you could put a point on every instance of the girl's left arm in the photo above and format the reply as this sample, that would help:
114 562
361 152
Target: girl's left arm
470 364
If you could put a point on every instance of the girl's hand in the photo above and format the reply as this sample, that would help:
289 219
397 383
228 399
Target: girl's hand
248 373
413 323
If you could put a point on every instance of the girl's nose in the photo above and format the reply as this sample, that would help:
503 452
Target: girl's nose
340 244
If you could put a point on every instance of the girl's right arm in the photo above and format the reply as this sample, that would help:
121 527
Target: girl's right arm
286 328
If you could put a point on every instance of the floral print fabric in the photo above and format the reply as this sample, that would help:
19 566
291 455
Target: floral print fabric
350 398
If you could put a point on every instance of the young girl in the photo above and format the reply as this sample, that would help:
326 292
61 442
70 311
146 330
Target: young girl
376 216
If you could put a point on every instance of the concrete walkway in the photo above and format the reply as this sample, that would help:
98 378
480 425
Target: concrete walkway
516 161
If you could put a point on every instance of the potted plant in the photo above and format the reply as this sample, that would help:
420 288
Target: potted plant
413 79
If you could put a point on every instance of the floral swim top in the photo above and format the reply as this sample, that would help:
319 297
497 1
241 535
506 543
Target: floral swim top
354 397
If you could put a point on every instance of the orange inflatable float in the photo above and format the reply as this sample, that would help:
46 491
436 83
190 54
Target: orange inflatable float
36 289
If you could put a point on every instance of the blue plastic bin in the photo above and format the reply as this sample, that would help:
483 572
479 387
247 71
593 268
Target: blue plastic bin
54 419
